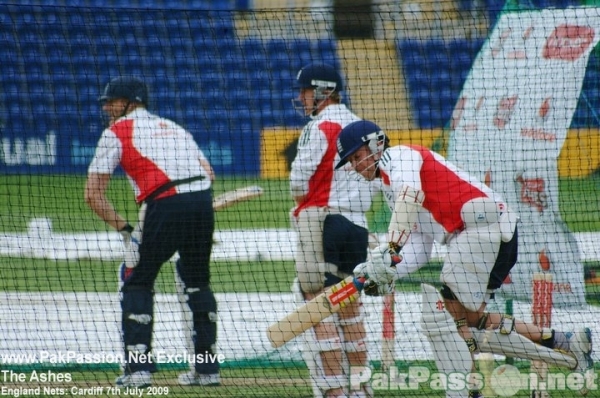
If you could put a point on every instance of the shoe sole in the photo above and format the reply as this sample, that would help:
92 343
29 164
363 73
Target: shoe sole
133 386
201 384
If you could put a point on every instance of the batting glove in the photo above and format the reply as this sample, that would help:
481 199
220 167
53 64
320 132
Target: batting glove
381 268
373 289
131 243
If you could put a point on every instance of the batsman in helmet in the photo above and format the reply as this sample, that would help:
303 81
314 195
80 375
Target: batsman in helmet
431 199
330 221
172 179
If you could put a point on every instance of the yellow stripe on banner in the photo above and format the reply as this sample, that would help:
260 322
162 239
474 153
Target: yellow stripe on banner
579 157
580 154
277 150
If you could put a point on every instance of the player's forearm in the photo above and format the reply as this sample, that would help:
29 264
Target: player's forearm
298 188
405 269
208 168
104 209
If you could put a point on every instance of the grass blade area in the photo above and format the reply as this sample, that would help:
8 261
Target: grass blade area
60 198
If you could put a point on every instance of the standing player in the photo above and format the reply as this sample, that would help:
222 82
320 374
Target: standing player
431 199
330 220
172 178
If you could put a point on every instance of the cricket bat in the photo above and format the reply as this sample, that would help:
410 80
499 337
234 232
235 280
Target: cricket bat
308 315
388 335
236 196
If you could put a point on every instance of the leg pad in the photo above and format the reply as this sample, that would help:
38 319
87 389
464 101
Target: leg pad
137 322
204 309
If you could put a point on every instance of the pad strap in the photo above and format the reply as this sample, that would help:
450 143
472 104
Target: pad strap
481 324
472 344
461 323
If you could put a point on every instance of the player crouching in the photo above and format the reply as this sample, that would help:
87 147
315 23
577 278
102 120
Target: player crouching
431 199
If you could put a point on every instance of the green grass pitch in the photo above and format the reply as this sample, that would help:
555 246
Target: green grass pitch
60 198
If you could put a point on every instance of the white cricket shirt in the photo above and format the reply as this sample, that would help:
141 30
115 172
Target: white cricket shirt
152 151
313 173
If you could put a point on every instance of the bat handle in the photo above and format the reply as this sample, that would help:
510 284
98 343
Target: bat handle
359 282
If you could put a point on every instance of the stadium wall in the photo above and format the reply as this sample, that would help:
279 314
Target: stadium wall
225 83
579 157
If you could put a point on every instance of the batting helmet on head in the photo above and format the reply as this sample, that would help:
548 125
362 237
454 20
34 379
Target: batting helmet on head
130 88
320 76
355 135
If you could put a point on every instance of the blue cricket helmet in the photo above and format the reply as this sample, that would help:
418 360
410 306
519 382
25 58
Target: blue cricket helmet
319 76
355 135
130 88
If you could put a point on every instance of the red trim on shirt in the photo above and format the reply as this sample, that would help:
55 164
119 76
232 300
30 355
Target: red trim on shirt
146 174
319 185
384 177
445 192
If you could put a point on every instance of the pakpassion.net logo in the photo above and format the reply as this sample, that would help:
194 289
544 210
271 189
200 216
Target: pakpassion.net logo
505 380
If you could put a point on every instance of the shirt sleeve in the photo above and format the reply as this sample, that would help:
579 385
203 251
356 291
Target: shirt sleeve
415 254
108 154
406 170
312 145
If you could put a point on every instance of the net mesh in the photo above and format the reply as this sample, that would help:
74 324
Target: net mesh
226 72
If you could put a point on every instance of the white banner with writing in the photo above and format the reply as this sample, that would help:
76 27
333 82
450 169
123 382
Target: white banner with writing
508 128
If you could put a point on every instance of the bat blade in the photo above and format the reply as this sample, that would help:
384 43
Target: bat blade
306 316
388 331
236 196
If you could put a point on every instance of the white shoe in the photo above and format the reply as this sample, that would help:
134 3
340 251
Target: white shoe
137 379
580 345
192 378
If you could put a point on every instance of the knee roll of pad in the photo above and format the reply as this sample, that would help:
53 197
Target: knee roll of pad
352 346
137 305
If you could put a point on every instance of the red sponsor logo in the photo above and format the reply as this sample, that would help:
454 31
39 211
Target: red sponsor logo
342 295
439 305
533 192
538 134
545 108
568 42
505 110
562 288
